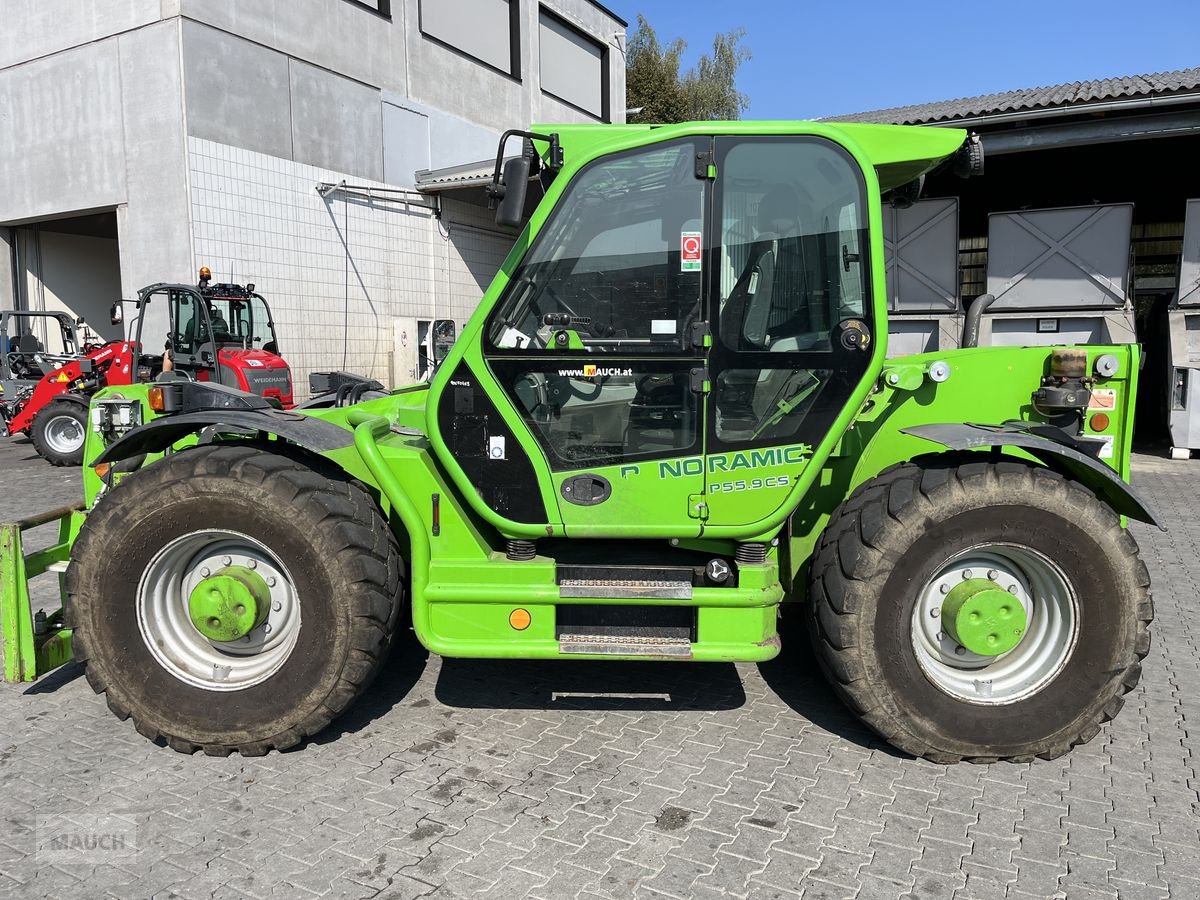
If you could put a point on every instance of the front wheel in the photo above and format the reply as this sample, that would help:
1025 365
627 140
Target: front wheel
59 432
232 598
990 610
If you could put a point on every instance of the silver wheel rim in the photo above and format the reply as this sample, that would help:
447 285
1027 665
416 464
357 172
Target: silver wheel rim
64 434
167 629
1052 614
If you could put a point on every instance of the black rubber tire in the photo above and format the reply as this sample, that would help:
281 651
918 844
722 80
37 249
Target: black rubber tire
324 528
884 543
37 431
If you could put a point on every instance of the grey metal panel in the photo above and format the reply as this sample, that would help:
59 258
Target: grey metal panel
908 335
1051 329
572 66
1189 267
1184 378
476 27
1069 258
921 256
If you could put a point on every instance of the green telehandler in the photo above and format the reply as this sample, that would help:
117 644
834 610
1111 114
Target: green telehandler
670 422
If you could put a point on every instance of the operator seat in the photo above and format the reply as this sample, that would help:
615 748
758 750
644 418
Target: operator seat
24 355
769 295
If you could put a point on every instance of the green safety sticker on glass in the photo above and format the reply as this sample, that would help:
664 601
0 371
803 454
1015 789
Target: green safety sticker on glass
689 251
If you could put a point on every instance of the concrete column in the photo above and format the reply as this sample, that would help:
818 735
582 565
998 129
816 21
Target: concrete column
8 298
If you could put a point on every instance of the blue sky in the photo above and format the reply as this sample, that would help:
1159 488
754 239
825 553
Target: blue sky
815 59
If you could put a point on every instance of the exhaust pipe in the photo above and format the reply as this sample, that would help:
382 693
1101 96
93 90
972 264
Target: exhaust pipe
974 313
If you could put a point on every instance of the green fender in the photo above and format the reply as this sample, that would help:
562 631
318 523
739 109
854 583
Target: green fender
1052 447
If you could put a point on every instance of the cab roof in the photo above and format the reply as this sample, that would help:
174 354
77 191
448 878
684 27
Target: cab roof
899 153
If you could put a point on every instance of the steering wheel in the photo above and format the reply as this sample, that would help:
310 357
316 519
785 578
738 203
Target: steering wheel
18 365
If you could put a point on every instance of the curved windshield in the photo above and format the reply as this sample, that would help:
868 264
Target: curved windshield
618 267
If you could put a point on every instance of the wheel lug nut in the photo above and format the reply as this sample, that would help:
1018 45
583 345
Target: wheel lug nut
966 574
945 589
941 635
934 613
205 572
227 560
277 605
993 574
271 582
267 628
1012 588
252 564
960 650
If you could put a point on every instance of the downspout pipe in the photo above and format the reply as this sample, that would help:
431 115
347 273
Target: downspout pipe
974 313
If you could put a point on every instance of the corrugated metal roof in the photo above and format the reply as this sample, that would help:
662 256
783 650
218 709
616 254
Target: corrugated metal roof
1065 96
452 177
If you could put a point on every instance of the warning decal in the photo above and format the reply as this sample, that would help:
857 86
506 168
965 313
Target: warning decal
689 251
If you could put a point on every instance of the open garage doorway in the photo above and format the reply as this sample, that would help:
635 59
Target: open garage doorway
70 264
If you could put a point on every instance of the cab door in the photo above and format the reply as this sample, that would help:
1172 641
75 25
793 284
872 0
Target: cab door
599 344
789 296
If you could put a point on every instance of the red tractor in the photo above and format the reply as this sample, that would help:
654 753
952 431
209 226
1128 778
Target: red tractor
221 333
44 393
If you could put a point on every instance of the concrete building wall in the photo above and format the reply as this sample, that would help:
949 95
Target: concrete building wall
153 223
37 28
327 83
205 125
337 270
337 123
100 127
237 92
56 152
331 34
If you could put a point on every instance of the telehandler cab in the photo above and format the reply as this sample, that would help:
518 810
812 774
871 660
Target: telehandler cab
669 422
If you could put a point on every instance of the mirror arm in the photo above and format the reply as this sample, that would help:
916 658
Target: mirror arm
495 190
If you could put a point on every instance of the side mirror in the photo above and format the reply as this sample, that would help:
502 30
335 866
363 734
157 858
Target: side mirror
511 208
443 338
116 314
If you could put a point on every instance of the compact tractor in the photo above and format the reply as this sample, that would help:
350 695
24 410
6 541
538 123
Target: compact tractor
670 423
221 333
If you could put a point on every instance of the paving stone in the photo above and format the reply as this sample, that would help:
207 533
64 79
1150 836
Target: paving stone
459 778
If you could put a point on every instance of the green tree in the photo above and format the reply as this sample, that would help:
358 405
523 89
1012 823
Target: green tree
706 92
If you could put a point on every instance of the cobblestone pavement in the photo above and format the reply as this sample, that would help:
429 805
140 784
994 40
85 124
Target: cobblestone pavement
522 779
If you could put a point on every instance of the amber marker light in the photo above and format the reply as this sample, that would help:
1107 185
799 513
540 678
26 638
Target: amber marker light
154 397
519 619
1099 422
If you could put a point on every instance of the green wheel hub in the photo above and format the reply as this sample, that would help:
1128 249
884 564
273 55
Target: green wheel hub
983 617
230 603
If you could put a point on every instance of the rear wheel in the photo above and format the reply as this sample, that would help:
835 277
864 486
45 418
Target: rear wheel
59 431
989 610
231 598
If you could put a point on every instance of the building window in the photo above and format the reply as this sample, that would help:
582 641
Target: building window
486 30
383 7
574 65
